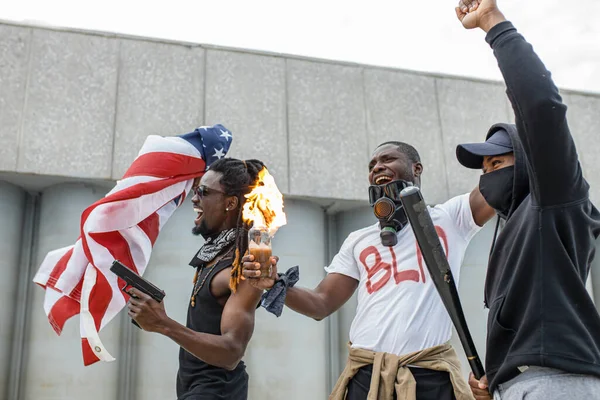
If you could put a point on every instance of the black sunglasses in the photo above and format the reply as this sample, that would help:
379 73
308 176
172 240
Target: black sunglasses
202 191
391 190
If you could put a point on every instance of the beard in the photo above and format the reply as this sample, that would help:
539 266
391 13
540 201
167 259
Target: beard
201 230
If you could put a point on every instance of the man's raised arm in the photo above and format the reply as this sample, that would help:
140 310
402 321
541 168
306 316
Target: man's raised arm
539 111
329 295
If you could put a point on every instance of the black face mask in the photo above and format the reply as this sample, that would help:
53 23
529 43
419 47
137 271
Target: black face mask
497 189
389 210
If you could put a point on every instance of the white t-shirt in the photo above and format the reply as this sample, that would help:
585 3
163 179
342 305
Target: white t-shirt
399 310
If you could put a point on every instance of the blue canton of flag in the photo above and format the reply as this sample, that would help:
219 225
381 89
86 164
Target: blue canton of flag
213 142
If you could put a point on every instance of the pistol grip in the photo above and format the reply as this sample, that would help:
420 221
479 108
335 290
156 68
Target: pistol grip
125 288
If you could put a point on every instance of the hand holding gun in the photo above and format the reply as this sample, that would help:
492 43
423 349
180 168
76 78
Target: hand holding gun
134 280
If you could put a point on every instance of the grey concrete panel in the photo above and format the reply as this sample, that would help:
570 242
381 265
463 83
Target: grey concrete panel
12 203
168 269
54 364
579 124
577 135
584 123
467 110
327 134
401 107
287 356
346 223
160 93
69 118
14 53
584 120
246 93
510 113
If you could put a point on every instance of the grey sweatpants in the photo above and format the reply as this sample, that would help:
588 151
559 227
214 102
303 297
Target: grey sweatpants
538 383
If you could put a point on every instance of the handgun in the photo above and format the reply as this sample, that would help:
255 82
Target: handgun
134 280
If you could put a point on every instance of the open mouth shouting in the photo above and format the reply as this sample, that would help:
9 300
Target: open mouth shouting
199 213
382 179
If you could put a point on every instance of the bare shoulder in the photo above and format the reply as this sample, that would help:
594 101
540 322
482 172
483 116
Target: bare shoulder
219 285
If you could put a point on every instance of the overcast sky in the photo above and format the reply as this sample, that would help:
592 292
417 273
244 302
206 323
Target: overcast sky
409 34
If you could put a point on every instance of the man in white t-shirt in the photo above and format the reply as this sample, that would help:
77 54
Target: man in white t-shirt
400 319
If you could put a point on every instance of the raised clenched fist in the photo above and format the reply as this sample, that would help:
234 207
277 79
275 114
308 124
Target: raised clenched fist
482 14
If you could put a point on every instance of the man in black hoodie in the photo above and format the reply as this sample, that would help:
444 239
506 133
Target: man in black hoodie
543 330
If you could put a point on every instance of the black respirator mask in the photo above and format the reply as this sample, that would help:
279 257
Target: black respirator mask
388 209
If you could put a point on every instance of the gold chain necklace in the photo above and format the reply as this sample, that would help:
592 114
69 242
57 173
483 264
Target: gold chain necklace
197 288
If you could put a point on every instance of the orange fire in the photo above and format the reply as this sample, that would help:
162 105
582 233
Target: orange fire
264 204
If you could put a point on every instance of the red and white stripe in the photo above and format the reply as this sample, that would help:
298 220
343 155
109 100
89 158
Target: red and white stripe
124 225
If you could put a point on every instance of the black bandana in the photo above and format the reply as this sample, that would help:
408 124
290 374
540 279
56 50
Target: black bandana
213 246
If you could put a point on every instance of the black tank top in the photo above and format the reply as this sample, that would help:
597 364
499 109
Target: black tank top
197 380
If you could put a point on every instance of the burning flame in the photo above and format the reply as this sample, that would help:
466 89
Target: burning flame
264 204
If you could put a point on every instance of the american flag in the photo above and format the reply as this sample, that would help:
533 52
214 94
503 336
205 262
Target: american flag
124 225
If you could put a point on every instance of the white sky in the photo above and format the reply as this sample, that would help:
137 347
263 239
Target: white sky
416 35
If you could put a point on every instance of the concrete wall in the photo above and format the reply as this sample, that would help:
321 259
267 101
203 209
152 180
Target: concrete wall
97 96
49 356
12 208
51 366
75 108
293 346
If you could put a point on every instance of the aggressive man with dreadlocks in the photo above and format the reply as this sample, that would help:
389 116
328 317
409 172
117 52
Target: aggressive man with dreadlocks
220 318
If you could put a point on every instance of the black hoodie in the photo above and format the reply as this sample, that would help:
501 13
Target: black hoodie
540 312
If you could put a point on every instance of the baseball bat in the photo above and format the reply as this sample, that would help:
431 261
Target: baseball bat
439 269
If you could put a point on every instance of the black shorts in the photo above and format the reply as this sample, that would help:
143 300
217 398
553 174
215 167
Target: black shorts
431 385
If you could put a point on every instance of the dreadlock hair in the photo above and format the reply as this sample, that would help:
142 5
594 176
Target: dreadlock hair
238 179
409 151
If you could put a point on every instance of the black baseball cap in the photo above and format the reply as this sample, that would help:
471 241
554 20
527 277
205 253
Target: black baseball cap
471 155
